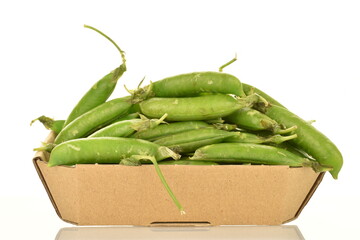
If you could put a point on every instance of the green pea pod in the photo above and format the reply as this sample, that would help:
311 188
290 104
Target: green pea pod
248 89
129 117
195 108
245 137
101 90
254 154
105 150
92 120
127 127
189 141
169 129
49 123
193 84
309 139
251 119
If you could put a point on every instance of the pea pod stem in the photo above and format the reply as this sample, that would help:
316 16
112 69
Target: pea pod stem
49 123
122 53
228 63
287 130
163 180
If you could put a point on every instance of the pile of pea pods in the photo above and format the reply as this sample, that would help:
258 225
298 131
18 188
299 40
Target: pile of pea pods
199 118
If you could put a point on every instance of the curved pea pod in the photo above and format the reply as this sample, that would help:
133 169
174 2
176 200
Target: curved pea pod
192 84
127 127
245 137
251 119
309 139
205 107
186 162
248 89
254 154
105 150
189 141
101 90
169 129
94 119
49 123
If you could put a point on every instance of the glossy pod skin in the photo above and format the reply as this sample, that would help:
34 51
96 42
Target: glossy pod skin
248 89
205 107
252 153
169 129
105 150
93 119
309 139
192 84
189 141
101 90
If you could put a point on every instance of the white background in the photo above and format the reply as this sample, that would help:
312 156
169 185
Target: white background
306 54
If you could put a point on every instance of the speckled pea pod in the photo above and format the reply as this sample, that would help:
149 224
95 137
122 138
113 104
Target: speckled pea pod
251 119
169 129
245 137
192 84
127 127
101 90
91 120
309 139
105 150
189 141
254 154
195 108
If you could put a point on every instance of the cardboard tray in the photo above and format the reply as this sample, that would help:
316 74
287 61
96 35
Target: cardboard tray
111 194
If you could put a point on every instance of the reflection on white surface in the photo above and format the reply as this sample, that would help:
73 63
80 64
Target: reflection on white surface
218 232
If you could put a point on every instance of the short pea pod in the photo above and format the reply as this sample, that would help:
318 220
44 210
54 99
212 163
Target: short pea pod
49 123
254 154
205 107
245 137
189 141
105 150
251 119
127 127
92 120
309 139
101 90
169 129
192 84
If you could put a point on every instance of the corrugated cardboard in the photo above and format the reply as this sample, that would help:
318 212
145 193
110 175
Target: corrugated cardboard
108 194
